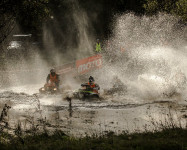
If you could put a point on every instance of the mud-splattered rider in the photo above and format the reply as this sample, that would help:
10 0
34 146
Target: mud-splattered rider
53 78
92 85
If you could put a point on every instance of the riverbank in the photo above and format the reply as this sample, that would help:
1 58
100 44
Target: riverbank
167 139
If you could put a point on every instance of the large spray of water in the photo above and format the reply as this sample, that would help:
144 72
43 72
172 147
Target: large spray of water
23 71
148 54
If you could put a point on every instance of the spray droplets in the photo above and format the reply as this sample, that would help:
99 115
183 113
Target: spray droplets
154 49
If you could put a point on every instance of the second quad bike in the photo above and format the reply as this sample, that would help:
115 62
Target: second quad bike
87 92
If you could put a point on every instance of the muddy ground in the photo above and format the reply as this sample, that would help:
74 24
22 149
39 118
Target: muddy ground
117 113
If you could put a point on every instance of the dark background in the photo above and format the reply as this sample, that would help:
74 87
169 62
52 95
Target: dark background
57 15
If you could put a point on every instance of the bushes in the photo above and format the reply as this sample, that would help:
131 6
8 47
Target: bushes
174 139
174 7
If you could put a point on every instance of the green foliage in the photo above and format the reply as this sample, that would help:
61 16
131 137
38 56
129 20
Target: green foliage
28 14
174 7
32 14
181 8
174 139
151 6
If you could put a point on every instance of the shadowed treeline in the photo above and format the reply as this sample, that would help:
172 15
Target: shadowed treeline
30 16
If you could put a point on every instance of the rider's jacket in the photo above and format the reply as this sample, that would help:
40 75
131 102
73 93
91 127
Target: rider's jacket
91 85
53 78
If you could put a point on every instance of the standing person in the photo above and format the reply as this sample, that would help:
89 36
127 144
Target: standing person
98 46
53 78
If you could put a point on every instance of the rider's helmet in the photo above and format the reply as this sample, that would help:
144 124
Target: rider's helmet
91 79
52 71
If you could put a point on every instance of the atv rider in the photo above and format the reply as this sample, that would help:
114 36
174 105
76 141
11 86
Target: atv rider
53 78
92 85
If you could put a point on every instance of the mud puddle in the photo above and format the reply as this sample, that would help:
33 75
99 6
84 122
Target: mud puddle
79 118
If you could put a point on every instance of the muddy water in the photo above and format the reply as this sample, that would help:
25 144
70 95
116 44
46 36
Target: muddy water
113 113
152 62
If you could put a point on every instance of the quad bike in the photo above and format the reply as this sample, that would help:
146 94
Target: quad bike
87 92
49 88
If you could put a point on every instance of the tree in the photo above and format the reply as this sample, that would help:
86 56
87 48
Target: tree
32 14
174 7
7 19
181 9
29 14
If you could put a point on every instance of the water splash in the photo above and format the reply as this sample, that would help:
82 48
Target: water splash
148 54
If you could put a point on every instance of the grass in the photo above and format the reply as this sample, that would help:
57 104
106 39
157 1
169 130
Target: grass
167 134
167 139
